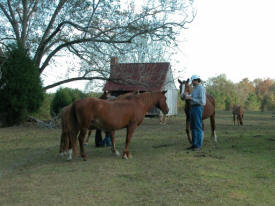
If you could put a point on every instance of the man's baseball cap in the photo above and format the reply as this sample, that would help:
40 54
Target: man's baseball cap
195 77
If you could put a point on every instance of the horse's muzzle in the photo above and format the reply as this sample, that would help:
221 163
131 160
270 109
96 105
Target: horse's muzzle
182 96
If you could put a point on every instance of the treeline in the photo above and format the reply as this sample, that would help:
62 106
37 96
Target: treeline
256 95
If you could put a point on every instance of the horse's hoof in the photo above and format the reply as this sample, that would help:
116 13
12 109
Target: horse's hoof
117 153
124 157
69 159
84 158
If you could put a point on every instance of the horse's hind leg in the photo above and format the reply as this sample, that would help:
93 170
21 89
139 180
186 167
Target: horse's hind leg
81 138
213 127
69 146
188 131
88 137
113 149
130 131
62 145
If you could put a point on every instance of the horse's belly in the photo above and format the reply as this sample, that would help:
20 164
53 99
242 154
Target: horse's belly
107 125
97 123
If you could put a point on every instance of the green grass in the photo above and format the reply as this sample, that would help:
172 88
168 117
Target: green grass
238 170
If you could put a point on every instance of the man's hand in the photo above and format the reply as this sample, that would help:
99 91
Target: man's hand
188 97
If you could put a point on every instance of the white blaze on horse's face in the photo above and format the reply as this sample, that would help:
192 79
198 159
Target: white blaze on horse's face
182 90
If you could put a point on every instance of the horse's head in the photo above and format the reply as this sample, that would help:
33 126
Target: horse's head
240 118
162 105
105 95
184 88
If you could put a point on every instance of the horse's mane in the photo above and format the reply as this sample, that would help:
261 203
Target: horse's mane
210 98
149 98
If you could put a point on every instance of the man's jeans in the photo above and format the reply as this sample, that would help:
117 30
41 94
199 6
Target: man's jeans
196 126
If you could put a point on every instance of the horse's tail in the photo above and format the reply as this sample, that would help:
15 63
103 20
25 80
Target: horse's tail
74 129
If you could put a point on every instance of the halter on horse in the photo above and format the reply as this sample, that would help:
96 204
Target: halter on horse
208 110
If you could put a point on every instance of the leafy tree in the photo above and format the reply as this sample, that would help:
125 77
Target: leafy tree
223 91
243 89
64 97
262 90
21 89
89 31
269 98
252 102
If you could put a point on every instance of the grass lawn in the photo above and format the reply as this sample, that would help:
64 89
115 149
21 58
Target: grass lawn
238 170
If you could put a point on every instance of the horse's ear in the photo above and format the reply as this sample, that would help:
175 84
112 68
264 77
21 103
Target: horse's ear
136 92
179 81
163 92
188 81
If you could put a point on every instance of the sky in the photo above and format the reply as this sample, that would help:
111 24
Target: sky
231 37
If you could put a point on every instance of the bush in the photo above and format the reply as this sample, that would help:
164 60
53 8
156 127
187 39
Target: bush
21 89
64 97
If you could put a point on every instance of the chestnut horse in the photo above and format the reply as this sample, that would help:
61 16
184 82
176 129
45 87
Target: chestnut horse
65 141
92 113
106 95
208 109
238 111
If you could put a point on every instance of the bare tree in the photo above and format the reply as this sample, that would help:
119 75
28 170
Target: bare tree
92 30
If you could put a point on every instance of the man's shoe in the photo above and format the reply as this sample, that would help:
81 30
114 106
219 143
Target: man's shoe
189 148
196 149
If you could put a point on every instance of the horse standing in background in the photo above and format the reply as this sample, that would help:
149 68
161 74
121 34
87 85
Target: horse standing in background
208 110
129 112
238 112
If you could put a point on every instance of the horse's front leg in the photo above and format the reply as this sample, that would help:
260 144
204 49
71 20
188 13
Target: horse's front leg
113 149
88 137
188 130
130 131
81 138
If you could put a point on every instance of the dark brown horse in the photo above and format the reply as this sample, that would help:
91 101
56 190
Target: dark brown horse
92 113
238 111
65 140
208 110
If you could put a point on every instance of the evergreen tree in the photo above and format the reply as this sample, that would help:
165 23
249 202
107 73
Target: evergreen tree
21 89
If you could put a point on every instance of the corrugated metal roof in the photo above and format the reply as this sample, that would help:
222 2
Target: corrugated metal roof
137 76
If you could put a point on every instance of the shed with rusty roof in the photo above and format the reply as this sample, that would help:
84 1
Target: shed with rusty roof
128 77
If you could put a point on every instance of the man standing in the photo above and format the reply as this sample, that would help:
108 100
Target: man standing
198 100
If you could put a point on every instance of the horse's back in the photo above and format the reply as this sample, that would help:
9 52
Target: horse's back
209 107
106 114
237 110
